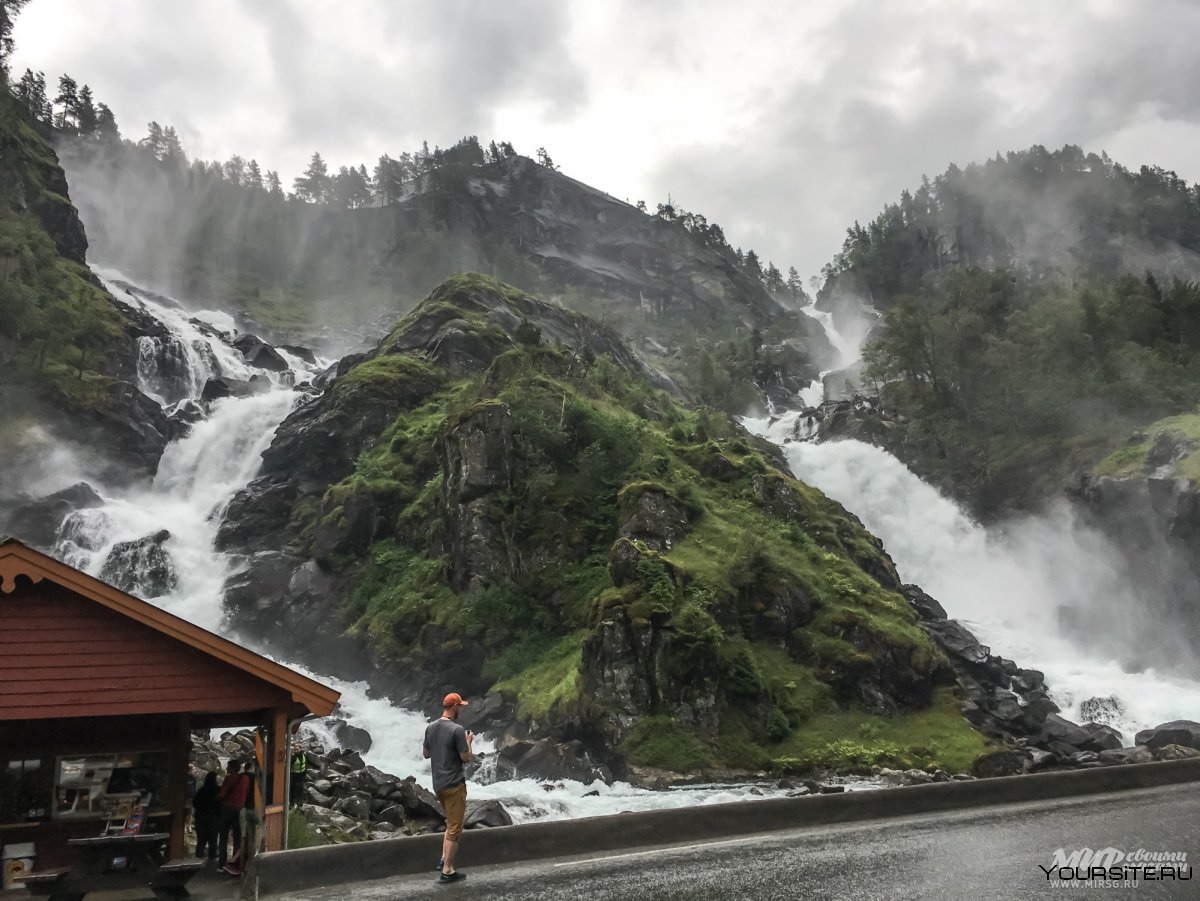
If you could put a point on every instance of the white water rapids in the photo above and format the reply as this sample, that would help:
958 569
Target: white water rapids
1007 584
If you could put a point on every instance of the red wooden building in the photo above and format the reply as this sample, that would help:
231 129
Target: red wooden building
99 693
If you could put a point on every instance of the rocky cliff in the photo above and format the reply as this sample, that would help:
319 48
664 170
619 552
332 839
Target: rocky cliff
312 273
502 499
66 347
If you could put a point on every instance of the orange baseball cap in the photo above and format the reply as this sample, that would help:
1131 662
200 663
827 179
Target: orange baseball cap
454 699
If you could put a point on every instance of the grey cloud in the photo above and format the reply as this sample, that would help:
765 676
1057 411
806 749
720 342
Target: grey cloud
835 149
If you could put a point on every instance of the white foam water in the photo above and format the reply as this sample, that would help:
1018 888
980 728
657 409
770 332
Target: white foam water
1011 584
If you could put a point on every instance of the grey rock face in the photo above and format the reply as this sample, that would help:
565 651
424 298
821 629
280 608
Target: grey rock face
37 522
655 519
1176 732
142 567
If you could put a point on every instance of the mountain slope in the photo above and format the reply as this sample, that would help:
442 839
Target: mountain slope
66 348
312 272
1036 309
497 499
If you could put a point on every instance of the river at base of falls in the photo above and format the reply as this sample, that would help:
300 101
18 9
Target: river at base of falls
1008 585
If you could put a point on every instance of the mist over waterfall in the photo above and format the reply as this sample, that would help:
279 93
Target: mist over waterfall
1046 591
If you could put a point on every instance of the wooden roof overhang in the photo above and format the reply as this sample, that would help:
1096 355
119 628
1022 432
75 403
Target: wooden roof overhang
307 695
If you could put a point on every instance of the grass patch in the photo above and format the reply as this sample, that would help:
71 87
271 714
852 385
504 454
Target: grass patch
659 741
1131 460
301 834
552 680
854 741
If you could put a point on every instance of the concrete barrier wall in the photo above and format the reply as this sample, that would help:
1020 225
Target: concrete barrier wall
282 872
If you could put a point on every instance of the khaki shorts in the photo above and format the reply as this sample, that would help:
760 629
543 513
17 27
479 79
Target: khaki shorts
454 800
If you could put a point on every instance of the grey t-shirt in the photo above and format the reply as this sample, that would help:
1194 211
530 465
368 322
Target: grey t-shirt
445 741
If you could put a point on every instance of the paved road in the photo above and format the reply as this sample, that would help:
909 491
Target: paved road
987 854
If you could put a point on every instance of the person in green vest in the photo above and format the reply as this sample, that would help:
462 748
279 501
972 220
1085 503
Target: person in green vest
299 772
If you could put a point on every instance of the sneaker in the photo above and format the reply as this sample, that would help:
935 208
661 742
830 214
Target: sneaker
231 870
452 877
441 864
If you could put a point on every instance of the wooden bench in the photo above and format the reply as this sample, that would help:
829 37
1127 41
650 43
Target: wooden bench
170 880
48 884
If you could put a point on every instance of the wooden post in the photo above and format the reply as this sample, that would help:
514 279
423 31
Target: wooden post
276 793
179 761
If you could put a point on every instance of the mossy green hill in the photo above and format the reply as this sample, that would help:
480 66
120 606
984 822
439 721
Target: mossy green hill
510 506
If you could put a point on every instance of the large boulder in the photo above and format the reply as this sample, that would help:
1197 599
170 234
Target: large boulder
1176 732
37 522
259 353
142 567
1175 752
1058 729
417 800
1103 738
351 738
652 516
489 813
999 762
544 759
1122 756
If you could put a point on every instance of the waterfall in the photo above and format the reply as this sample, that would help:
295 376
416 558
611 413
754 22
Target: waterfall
1046 591
198 476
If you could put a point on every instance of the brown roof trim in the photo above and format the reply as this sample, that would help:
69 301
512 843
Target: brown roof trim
17 559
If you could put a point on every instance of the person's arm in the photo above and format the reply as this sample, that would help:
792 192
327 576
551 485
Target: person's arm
465 740
425 746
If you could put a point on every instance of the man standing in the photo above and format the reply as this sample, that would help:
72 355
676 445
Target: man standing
448 747
299 774
233 798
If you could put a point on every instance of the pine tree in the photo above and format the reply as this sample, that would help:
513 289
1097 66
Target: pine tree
388 183
253 178
106 124
314 185
351 188
773 279
274 186
85 113
795 285
235 169
172 148
8 13
153 140
543 159
66 118
31 91
752 266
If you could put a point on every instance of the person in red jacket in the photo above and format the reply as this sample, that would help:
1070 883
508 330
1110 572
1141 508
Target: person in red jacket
232 796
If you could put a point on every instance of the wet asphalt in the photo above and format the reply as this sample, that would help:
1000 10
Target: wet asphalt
990 853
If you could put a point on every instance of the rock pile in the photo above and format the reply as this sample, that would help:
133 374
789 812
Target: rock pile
1012 705
345 799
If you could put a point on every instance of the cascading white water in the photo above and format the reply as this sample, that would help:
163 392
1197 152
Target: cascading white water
1009 584
199 475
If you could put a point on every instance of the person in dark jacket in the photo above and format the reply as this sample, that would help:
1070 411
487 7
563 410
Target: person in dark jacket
207 809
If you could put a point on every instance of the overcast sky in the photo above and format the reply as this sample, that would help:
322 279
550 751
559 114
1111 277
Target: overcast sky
782 121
